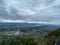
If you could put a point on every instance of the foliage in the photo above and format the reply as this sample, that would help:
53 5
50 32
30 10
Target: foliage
48 39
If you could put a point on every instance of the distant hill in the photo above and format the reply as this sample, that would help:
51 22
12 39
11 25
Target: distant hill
19 24
25 24
30 25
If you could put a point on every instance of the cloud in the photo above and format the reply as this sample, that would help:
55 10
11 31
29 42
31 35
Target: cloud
25 11
23 21
17 21
30 10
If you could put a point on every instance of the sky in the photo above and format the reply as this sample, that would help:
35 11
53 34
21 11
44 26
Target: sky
30 11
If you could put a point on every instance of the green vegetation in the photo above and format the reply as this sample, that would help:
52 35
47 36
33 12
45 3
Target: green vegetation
48 39
17 41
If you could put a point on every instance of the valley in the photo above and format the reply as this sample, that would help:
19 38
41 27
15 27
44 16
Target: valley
28 34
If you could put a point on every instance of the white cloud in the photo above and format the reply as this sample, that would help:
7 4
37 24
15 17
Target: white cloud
41 11
25 11
17 21
23 21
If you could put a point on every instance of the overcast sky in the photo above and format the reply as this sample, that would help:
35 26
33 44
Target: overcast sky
38 11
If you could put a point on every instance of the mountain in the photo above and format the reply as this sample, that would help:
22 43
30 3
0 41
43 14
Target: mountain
29 25
25 24
18 24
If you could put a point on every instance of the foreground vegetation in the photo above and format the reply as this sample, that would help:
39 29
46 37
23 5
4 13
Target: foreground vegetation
48 39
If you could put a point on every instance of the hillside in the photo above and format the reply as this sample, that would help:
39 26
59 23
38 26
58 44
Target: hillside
48 39
51 38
